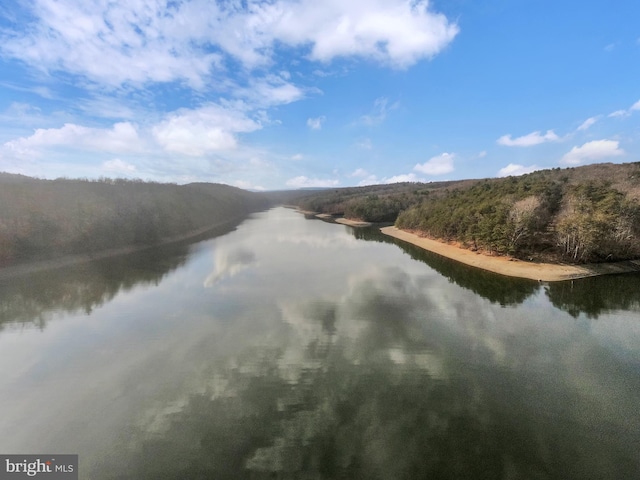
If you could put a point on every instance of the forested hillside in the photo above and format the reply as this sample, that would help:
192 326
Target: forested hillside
47 218
584 214
374 203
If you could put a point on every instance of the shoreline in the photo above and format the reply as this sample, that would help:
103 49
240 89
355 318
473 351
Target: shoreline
545 272
330 218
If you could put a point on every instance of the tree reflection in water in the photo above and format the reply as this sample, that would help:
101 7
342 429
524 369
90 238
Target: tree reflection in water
373 386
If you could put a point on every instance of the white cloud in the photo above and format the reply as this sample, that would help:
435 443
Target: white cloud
594 151
482 154
437 165
297 157
115 43
123 137
380 109
246 185
588 123
359 172
43 92
534 138
316 123
106 107
619 113
270 91
626 113
514 169
370 179
409 177
394 32
305 182
118 166
208 129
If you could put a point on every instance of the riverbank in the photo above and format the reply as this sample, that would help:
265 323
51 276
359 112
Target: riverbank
28 267
331 218
546 272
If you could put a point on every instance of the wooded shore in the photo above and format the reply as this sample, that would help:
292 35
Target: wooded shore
546 272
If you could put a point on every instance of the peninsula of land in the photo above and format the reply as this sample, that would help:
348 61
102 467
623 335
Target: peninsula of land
546 272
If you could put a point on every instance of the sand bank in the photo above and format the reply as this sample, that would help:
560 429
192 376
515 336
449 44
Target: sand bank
341 220
547 272
353 223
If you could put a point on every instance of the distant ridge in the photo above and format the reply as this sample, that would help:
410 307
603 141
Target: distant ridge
45 219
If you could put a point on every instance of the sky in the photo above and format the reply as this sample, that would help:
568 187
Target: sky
281 94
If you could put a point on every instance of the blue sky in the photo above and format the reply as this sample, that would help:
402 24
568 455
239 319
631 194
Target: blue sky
302 93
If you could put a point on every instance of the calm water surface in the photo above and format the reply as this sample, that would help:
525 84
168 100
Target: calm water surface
293 348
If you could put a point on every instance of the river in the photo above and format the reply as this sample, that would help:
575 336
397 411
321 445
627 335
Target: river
295 348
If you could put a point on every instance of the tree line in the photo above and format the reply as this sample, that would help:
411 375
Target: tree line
47 218
584 214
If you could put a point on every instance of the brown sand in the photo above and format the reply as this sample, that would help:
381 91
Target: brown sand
353 223
547 272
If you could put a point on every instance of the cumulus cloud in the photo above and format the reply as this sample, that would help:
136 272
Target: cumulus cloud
636 106
160 41
514 169
208 129
588 123
534 138
316 123
438 165
122 137
594 151
393 32
306 182
297 157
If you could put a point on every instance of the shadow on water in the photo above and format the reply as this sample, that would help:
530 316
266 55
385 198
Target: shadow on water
596 295
495 288
32 299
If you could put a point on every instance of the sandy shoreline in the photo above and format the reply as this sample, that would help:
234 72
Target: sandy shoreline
329 217
546 272
353 223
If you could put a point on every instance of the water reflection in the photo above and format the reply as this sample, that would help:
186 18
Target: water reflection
33 299
311 354
229 263
381 384
495 288
597 295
